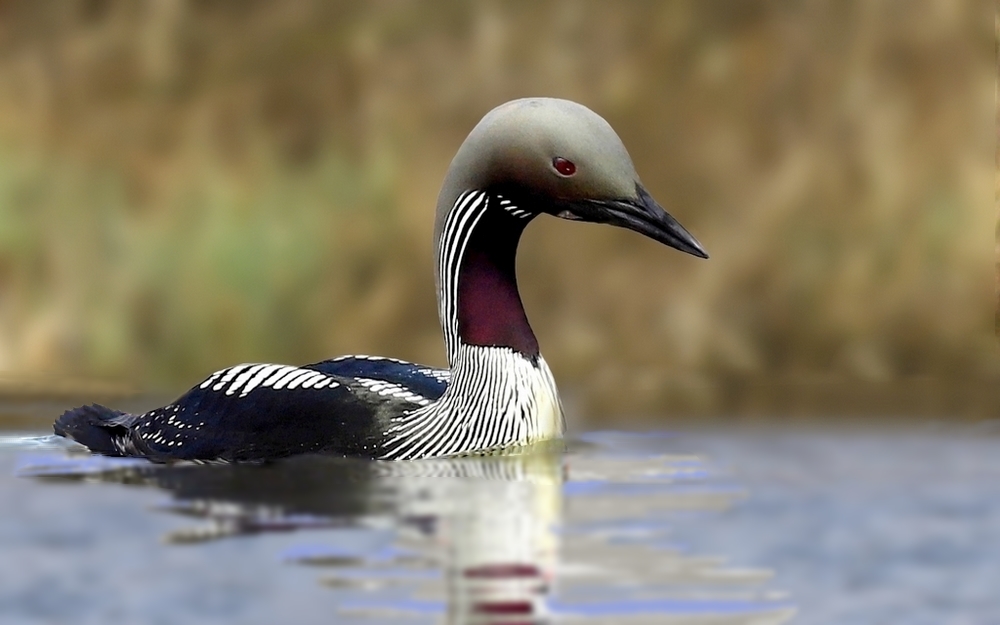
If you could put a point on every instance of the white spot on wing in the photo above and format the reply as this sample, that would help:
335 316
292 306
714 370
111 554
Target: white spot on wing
230 373
441 375
390 390
306 374
242 378
257 379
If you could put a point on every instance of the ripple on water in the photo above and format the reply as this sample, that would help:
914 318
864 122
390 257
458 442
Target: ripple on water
544 535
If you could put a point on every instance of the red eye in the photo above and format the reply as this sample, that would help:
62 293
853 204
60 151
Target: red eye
564 167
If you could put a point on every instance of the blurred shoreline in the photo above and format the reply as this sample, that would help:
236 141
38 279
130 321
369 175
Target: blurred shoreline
187 185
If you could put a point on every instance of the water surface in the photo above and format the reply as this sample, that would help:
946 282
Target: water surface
724 526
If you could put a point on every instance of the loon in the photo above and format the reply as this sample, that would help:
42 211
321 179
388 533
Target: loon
524 158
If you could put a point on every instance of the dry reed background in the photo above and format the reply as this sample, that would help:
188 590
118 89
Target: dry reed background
186 184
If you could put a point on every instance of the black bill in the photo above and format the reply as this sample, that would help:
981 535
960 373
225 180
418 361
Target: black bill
642 215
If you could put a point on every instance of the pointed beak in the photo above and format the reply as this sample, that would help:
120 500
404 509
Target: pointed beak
642 215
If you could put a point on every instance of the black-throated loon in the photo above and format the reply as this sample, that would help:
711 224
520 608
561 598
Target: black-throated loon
525 158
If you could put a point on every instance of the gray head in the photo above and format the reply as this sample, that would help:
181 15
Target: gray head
567 161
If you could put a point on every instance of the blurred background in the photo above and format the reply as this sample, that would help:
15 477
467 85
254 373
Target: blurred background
188 184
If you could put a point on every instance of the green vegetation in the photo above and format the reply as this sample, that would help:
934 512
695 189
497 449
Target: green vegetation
194 184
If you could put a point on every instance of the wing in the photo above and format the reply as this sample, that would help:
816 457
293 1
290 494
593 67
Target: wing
426 382
255 412
260 412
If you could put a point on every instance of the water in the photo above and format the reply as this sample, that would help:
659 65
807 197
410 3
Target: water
715 527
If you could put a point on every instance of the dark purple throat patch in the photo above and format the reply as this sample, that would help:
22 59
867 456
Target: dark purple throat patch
490 312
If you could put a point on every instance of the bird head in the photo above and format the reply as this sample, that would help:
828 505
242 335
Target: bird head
561 158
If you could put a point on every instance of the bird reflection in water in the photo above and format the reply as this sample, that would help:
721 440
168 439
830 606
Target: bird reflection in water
473 540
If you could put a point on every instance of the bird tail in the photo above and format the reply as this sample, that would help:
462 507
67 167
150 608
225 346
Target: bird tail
95 427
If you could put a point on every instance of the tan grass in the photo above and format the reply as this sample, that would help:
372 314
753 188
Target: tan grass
187 185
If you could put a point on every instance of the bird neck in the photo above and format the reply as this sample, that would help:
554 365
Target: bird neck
501 392
478 299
